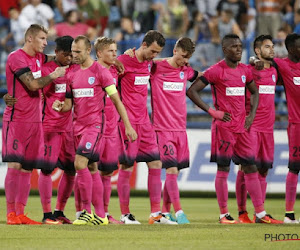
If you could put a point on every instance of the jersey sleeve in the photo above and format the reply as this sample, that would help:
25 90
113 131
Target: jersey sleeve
249 75
192 74
69 93
106 78
18 65
209 76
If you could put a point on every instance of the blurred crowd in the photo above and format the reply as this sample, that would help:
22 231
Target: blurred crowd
205 21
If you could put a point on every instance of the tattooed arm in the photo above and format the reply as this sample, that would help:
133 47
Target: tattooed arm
39 83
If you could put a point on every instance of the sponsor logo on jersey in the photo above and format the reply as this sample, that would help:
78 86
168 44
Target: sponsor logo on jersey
181 75
173 86
244 78
60 88
266 89
37 74
91 80
141 80
88 92
149 67
88 145
296 80
115 81
38 63
235 91
274 78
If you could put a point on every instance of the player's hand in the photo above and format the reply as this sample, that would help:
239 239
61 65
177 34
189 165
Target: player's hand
248 121
129 52
59 72
259 65
9 100
220 115
57 105
120 67
130 134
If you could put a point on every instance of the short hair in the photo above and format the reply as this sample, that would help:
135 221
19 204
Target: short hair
64 43
298 11
102 42
154 36
229 37
259 41
186 44
69 13
290 40
34 29
84 39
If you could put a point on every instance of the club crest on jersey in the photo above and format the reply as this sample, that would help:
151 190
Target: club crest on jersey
274 78
91 80
88 145
181 74
38 63
244 79
149 67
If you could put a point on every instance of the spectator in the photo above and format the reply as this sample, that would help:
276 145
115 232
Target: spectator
114 17
65 6
128 37
251 27
173 22
72 27
297 21
238 8
15 37
144 14
269 16
205 52
37 13
208 7
279 48
94 13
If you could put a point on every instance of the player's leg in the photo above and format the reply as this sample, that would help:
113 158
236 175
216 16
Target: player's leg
33 138
222 143
292 176
127 159
241 197
64 191
109 157
66 184
85 184
52 148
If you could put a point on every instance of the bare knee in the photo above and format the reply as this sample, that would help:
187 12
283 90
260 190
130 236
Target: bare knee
172 170
249 169
223 168
154 164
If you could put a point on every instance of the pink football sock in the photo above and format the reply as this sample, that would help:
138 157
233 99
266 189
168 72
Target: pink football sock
154 189
123 187
106 180
23 190
263 185
241 191
171 182
78 203
11 186
166 200
222 190
254 190
291 191
97 195
64 191
85 185
45 189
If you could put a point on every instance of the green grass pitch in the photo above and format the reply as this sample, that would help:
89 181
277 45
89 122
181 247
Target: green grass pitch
204 232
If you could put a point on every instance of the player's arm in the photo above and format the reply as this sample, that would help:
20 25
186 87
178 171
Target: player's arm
9 100
259 65
119 66
114 96
62 106
39 83
193 94
254 103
